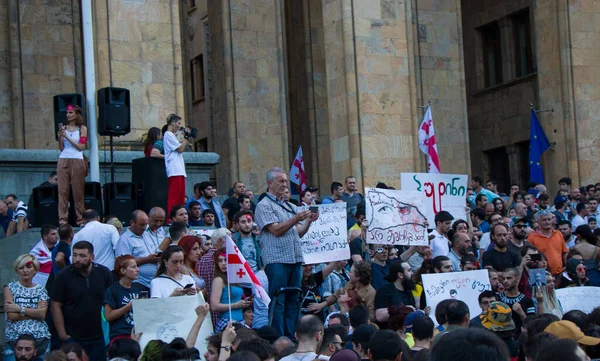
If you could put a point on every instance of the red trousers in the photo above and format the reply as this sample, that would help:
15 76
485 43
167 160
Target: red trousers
176 193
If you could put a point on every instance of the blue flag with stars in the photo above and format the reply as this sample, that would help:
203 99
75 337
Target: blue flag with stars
538 144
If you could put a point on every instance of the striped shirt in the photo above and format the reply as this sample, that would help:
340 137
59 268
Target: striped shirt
20 211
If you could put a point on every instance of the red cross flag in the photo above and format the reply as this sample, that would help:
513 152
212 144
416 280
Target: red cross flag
297 175
239 271
428 144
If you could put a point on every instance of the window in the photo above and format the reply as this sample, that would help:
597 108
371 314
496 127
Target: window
197 66
492 54
523 49
191 4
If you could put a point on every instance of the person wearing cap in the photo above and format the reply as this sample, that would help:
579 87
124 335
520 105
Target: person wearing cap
568 330
549 242
306 198
315 194
421 328
498 319
360 340
398 292
485 299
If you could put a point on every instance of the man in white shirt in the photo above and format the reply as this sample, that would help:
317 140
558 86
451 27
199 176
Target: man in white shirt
581 216
174 162
439 244
103 237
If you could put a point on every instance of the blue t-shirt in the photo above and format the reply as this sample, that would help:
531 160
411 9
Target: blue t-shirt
65 248
198 223
484 227
378 274
5 220
117 296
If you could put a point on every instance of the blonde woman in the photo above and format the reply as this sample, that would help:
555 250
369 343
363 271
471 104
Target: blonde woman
25 305
546 297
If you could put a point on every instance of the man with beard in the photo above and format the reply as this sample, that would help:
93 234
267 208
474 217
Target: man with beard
566 229
519 236
499 257
495 283
246 240
521 305
396 293
208 201
531 260
195 219
25 348
458 250
309 331
77 298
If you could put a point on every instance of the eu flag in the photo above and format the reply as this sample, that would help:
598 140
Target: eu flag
538 144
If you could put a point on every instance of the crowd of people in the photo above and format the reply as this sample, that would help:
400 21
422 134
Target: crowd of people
73 294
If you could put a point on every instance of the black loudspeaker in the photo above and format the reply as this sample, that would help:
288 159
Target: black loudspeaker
120 200
45 200
114 116
92 199
60 108
150 177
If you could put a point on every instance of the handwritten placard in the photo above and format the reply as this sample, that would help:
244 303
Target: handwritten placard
464 286
578 298
444 192
326 239
395 217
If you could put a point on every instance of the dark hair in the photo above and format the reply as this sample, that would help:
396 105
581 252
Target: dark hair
580 207
176 208
479 213
340 316
151 137
543 197
308 326
120 262
443 216
207 211
84 245
172 118
341 330
386 345
73 347
194 204
359 315
65 231
244 334
11 196
363 271
479 197
178 350
239 214
422 355
215 340
124 348
187 243
440 311
594 317
585 232
477 179
241 199
558 205
563 349
493 230
577 317
526 248
329 335
46 229
166 255
537 323
468 258
90 215
538 342
360 210
486 294
176 230
397 315
26 337
437 263
243 356
456 312
565 180
469 344
335 185
203 185
258 346
422 328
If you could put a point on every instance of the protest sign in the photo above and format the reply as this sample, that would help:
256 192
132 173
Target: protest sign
167 318
464 286
578 298
444 192
326 239
395 217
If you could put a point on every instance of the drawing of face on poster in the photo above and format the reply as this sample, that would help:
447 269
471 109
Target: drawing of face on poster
395 217
166 333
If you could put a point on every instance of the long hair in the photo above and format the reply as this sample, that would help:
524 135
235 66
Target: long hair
120 263
187 243
551 296
151 137
162 268
584 232
78 115
218 272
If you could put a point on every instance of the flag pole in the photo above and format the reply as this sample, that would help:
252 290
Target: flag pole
228 286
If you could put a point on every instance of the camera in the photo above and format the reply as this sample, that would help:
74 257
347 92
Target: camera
192 133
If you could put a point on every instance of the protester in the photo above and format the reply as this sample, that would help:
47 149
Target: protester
586 245
576 275
125 349
25 306
104 237
154 134
380 265
387 345
169 280
309 331
398 292
192 251
174 163
246 241
25 349
546 297
457 316
499 257
549 242
358 290
469 345
439 244
42 252
521 305
498 319
118 306
564 350
485 299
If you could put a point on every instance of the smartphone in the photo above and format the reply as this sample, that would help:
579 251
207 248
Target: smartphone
536 257
144 294
188 286
158 254
314 209
60 126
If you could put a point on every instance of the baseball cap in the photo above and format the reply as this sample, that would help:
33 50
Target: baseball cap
524 220
311 189
409 319
362 334
498 317
569 330
345 355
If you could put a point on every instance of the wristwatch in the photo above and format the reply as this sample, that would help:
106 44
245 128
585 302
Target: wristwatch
226 347
22 313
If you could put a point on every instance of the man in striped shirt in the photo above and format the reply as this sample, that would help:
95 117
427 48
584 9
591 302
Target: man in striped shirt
19 222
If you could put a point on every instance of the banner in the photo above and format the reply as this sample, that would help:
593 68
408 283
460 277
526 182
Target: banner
167 318
326 240
578 298
464 286
395 217
443 192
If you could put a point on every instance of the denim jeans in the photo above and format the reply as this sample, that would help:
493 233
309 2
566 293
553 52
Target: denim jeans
286 306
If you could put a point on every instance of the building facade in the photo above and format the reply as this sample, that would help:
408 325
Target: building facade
344 79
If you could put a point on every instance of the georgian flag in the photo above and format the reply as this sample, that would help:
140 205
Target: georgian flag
428 144
297 175
44 258
239 271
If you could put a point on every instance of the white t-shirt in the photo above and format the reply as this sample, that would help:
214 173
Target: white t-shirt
162 286
439 245
578 221
104 238
485 241
173 159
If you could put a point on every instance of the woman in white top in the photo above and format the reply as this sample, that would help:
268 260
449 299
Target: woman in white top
169 280
72 167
